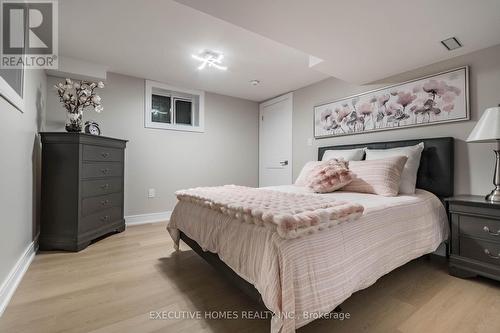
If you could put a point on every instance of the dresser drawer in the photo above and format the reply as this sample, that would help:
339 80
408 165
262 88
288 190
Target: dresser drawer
480 250
101 187
100 153
96 204
100 219
102 169
474 226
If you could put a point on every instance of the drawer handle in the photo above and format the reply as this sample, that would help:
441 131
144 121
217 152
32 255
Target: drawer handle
105 171
105 186
486 229
105 218
105 202
487 252
105 155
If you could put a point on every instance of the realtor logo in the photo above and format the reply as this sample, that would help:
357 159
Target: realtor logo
29 34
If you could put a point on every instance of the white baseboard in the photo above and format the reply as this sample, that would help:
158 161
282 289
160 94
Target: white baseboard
147 218
15 276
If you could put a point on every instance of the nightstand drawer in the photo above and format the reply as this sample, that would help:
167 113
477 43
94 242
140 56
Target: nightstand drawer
473 210
100 169
480 250
100 153
96 204
474 226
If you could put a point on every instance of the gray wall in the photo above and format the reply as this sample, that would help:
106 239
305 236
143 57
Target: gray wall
226 153
474 163
19 187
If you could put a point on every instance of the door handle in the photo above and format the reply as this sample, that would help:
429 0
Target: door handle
283 163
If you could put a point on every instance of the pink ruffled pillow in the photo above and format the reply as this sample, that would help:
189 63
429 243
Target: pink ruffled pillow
329 176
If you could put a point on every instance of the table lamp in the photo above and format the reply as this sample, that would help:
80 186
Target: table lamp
487 129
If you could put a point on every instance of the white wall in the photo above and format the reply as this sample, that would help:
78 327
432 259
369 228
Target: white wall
226 153
20 157
474 163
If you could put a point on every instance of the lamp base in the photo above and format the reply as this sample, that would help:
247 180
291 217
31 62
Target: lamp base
494 196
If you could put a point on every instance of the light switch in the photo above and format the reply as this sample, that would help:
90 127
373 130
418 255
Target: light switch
151 193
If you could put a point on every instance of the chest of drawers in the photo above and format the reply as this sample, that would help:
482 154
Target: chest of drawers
82 189
475 237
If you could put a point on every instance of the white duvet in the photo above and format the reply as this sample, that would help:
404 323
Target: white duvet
304 277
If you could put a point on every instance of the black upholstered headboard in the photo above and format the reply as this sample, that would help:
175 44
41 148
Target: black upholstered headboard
435 173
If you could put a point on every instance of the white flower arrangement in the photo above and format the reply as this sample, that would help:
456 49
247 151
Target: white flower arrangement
78 95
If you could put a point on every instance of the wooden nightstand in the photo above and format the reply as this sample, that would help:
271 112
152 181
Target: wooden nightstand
475 237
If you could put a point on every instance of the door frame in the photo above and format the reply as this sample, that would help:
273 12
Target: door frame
289 97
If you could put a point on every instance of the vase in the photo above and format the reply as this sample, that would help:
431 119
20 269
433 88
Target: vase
74 121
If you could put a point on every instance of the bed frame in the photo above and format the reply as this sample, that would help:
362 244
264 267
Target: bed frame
435 174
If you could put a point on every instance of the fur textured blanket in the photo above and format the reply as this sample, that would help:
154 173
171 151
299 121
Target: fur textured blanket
292 214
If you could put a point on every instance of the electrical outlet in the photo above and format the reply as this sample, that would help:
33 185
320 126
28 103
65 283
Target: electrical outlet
151 193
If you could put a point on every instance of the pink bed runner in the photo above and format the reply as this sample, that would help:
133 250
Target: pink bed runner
292 214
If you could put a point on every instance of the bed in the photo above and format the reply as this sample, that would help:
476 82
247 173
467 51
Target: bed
303 278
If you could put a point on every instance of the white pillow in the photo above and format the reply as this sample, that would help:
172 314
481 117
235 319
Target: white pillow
346 154
302 178
409 175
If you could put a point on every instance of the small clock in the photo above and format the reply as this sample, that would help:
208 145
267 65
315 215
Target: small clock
91 127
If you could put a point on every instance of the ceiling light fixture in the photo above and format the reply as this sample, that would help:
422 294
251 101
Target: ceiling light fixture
451 43
211 59
254 82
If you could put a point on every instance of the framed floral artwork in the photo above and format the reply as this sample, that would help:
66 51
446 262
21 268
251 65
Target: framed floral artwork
435 99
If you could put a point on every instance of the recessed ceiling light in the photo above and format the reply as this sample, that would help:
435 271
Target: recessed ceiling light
211 59
451 43
254 82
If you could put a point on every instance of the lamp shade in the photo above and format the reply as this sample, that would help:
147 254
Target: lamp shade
487 128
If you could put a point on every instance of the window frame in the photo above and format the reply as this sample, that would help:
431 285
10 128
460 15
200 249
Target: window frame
171 91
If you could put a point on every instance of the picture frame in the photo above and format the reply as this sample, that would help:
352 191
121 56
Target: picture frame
430 100
13 80
12 87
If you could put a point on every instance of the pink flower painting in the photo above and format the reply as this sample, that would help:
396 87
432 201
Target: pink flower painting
431 100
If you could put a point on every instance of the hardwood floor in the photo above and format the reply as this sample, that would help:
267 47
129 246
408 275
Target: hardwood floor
114 284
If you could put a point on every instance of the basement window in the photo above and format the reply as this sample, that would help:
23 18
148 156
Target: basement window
173 108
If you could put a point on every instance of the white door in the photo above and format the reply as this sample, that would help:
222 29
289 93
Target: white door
275 141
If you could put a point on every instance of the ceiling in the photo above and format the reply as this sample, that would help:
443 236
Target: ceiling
365 40
271 41
154 39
